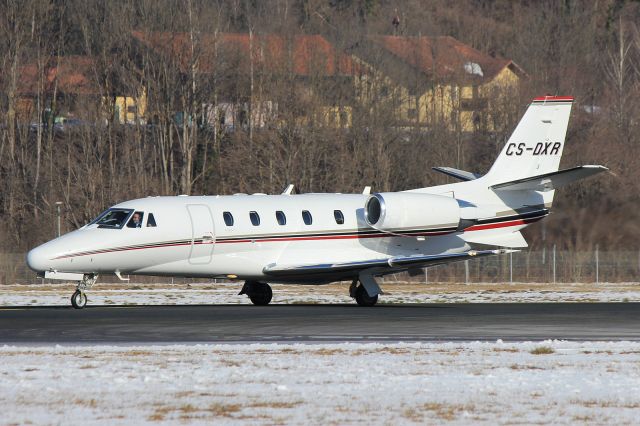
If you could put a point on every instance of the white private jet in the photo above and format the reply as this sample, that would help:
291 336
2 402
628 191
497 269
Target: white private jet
322 238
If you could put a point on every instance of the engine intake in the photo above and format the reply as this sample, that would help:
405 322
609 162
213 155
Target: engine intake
398 211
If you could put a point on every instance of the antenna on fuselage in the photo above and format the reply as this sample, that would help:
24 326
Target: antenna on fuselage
366 190
289 189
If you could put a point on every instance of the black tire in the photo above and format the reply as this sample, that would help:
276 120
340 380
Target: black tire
260 294
363 298
78 300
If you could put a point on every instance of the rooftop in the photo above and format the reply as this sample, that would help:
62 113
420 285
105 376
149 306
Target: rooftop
444 57
304 55
65 74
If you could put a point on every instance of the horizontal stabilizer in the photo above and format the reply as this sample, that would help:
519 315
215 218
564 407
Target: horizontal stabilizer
511 240
380 266
550 181
458 174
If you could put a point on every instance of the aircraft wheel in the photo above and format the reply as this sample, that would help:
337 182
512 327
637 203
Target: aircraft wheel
79 299
363 298
260 294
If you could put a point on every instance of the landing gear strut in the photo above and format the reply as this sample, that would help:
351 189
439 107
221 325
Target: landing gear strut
259 293
79 298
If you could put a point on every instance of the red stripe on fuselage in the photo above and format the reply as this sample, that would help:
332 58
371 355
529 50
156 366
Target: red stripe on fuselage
502 224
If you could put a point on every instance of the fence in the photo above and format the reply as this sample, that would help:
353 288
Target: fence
547 266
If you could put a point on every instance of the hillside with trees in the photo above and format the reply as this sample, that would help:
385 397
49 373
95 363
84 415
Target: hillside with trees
99 105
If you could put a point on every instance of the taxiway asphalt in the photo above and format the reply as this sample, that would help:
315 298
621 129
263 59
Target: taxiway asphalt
319 323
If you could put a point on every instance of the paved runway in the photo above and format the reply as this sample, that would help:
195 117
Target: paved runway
309 323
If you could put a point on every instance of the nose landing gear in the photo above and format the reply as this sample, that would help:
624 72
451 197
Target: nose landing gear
79 298
259 293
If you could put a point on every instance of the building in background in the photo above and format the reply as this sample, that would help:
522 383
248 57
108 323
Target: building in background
434 80
71 89
259 81
244 80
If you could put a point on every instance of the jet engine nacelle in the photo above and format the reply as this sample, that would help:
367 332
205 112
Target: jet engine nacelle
389 211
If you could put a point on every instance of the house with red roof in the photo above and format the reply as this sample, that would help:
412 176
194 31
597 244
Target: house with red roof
434 80
75 86
255 79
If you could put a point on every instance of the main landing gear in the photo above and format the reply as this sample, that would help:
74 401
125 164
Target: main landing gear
365 290
259 293
79 298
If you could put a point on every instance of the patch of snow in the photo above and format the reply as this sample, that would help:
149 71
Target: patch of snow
227 293
411 383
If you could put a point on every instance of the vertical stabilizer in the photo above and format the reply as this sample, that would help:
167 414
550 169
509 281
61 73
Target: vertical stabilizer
536 145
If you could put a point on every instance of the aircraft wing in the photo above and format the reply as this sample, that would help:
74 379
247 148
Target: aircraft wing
381 266
550 181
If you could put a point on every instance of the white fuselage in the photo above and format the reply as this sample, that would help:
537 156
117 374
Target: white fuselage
192 239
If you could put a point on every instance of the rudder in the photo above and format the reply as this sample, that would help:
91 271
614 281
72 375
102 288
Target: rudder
535 146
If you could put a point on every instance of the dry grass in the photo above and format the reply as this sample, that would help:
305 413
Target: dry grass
184 394
87 367
448 412
137 352
275 404
594 403
224 410
188 408
394 351
583 419
510 350
329 352
156 417
190 411
91 403
524 367
542 350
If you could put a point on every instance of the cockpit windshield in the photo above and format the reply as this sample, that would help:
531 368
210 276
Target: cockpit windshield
112 218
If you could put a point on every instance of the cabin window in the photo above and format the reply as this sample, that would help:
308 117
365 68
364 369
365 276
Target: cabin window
136 220
151 221
306 217
255 218
337 214
281 218
112 218
228 218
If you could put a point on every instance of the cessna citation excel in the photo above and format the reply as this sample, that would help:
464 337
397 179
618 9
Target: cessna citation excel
321 238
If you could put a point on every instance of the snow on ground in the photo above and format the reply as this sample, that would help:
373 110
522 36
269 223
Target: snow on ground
226 293
554 382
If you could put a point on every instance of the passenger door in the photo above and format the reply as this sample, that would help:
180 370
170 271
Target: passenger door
202 234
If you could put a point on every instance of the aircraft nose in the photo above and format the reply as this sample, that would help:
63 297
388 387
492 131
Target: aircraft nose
37 259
